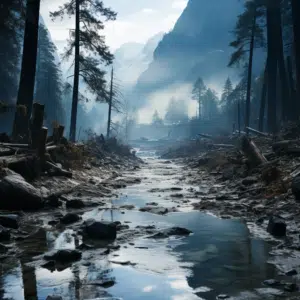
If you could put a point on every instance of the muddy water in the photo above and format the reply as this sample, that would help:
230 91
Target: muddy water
220 257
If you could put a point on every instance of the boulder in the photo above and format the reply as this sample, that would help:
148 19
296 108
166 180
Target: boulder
17 194
63 256
70 218
100 230
155 210
276 226
10 221
75 203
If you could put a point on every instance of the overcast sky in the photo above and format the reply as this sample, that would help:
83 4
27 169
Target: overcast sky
137 20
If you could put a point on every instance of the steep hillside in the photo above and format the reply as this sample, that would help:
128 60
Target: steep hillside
198 45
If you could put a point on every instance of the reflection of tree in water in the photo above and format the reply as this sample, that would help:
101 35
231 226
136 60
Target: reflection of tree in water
239 263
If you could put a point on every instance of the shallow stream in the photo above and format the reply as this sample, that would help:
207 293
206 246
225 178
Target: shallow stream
220 257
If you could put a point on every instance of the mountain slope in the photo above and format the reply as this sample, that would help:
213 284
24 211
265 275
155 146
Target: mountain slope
197 46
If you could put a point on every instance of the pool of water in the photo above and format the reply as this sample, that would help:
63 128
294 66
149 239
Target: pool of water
220 257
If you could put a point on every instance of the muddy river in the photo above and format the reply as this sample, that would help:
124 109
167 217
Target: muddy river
220 259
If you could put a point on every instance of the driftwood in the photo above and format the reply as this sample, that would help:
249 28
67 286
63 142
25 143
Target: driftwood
57 170
207 136
11 145
252 152
257 132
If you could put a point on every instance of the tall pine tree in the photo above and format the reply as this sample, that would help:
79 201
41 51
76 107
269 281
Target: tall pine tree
89 46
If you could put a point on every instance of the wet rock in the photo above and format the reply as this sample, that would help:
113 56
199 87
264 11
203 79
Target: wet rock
70 218
10 221
122 227
177 195
154 210
127 206
291 287
291 272
266 292
50 265
152 203
174 231
64 255
272 282
17 194
4 234
54 297
222 296
84 246
100 230
53 201
53 222
123 263
276 226
249 180
296 188
75 203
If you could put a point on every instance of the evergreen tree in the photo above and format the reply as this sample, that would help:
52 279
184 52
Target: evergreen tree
28 69
227 90
210 104
177 111
198 91
48 89
247 32
156 119
10 34
86 37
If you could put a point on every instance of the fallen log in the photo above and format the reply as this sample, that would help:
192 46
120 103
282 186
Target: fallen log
12 145
57 170
207 136
258 132
252 152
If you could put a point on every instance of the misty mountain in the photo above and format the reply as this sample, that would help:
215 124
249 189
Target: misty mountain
132 59
197 46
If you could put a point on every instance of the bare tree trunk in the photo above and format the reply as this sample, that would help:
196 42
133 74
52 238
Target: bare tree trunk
272 65
263 100
239 115
294 105
110 103
28 69
249 80
76 75
296 27
285 94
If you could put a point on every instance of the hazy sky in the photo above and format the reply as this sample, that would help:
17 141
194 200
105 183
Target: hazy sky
137 20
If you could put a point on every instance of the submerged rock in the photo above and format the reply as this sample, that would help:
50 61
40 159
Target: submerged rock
100 230
174 231
10 221
75 203
154 210
18 194
63 256
276 226
70 218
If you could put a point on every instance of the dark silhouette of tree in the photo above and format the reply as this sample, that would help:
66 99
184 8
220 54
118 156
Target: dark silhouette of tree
156 119
296 29
210 104
177 111
28 69
10 34
227 90
48 89
249 34
86 37
198 91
